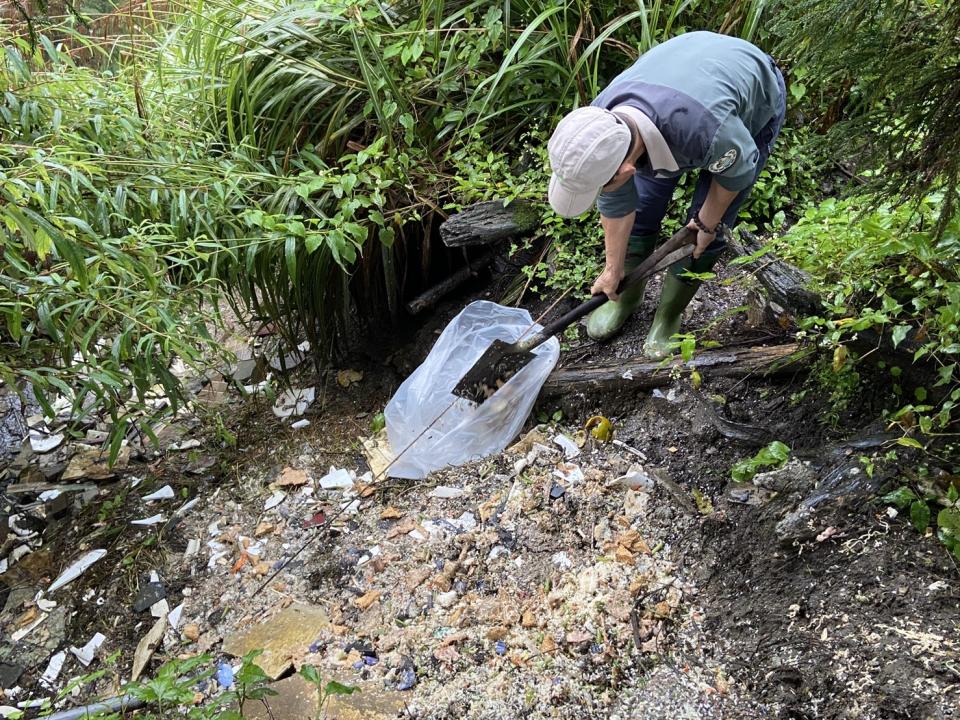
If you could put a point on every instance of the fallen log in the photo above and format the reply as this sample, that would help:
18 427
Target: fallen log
488 222
643 374
430 297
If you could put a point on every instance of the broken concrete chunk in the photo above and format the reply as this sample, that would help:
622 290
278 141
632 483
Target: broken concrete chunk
292 477
296 698
283 638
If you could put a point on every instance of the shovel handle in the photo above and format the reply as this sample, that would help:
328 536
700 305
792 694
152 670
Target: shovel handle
676 248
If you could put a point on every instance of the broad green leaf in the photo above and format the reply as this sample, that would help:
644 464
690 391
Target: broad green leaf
920 515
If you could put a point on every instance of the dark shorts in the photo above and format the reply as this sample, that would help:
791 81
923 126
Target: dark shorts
654 194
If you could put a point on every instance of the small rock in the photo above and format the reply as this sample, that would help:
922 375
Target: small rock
191 632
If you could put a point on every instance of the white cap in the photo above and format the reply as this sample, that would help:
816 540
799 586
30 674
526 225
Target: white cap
585 151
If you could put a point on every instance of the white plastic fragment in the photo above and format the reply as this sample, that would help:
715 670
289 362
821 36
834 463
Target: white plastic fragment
274 500
294 401
185 445
570 449
88 652
186 507
54 667
446 493
160 608
43 443
636 478
174 616
300 424
44 604
164 493
627 375
571 474
48 495
147 521
562 560
77 569
193 547
336 479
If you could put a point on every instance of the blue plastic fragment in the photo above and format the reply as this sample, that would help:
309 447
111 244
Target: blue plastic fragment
225 675
408 678
501 647
358 665
370 660
595 648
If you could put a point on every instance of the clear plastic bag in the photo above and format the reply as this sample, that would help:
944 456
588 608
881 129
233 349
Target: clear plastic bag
465 431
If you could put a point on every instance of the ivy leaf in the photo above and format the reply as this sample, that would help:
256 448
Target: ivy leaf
909 442
899 334
901 497
920 516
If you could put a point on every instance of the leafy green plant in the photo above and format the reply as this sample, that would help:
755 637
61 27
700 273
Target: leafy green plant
325 691
885 273
947 520
773 455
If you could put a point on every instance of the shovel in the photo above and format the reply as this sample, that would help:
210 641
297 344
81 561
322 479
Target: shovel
501 361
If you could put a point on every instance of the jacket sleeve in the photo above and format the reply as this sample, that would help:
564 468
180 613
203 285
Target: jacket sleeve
620 202
733 155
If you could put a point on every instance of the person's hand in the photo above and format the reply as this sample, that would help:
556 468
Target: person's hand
703 239
608 282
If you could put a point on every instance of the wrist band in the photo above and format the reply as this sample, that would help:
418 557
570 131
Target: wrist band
699 223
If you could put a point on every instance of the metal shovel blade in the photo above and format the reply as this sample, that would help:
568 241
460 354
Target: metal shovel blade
499 362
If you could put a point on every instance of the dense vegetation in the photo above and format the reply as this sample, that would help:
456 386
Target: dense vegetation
295 157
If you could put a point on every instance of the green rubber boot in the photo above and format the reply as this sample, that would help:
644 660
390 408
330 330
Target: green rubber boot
606 320
676 295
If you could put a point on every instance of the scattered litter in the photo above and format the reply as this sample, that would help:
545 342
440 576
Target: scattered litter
45 605
88 652
600 428
149 595
315 520
378 453
42 443
175 615
636 478
571 474
145 648
294 401
446 493
275 499
164 493
447 599
557 491
670 396
300 424
627 375
562 560
77 569
225 675
24 631
570 449
160 609
186 507
336 479
52 672
193 547
185 445
152 520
